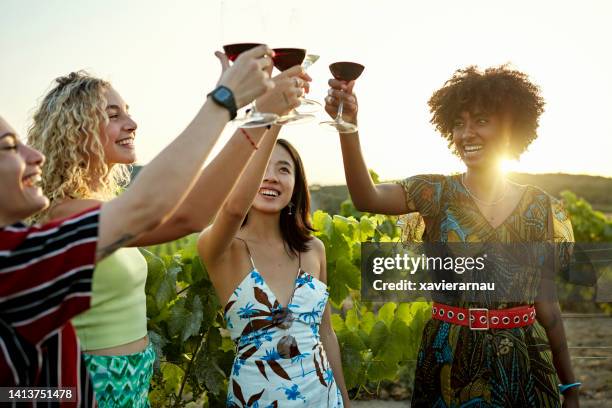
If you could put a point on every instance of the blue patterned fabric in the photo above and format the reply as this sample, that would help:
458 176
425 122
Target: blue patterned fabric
280 362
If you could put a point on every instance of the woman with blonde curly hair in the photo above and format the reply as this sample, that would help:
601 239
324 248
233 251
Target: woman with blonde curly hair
84 128
75 107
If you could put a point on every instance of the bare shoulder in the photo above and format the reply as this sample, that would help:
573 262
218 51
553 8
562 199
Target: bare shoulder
318 247
71 207
218 261
314 260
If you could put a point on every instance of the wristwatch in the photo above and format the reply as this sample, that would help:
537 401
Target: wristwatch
224 96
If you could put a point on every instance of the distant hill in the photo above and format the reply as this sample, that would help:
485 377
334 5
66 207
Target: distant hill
596 190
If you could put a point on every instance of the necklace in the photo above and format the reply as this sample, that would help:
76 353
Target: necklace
483 202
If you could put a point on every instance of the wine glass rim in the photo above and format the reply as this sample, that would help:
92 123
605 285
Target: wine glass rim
242 43
247 46
346 62
289 49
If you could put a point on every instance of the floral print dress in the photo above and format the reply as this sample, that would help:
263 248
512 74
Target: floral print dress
280 360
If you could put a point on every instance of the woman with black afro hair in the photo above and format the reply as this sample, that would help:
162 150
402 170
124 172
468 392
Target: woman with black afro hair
479 350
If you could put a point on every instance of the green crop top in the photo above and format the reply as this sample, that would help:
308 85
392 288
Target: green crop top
118 313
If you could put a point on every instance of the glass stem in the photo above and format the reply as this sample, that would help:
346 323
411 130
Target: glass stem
253 110
340 108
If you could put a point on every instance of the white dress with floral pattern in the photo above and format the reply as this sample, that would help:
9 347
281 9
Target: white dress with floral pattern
280 360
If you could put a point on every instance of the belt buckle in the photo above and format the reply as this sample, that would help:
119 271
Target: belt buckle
478 309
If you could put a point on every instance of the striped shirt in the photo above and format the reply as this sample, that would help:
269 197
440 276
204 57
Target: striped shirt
45 280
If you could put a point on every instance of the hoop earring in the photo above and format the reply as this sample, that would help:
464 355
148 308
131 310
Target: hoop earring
290 205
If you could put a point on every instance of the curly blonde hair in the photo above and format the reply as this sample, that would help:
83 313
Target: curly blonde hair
66 128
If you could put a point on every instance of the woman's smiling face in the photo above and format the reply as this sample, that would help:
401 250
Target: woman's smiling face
20 170
481 139
276 188
119 134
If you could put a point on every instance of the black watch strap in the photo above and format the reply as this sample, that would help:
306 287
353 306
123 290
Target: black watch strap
224 96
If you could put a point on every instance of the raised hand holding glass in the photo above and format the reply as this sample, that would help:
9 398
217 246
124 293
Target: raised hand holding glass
252 118
343 71
285 58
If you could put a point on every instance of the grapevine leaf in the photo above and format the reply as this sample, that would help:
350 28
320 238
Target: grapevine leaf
402 334
337 323
381 370
368 320
322 222
337 289
404 312
194 319
207 371
179 315
167 288
366 228
387 313
227 345
378 336
352 348
198 272
348 274
173 376
352 321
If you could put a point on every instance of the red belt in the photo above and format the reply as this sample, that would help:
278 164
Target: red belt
484 319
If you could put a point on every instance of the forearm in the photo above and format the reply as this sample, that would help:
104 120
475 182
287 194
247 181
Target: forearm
553 325
358 179
217 180
163 184
241 197
332 349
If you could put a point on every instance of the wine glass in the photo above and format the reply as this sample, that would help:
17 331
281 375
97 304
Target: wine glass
344 71
309 105
252 118
285 58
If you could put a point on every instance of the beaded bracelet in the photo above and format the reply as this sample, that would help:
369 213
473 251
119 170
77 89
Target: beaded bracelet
565 387
244 132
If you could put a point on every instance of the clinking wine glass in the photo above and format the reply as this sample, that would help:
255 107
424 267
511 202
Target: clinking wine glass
309 105
252 118
285 58
343 71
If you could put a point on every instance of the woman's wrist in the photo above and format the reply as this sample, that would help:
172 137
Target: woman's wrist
569 388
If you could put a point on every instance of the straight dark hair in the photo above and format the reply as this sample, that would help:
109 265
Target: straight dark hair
296 228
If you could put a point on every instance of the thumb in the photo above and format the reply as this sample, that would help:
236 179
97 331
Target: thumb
223 60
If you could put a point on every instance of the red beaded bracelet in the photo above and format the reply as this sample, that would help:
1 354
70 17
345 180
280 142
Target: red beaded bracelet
244 132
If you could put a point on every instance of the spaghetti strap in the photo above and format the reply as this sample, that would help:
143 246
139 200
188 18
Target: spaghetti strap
248 251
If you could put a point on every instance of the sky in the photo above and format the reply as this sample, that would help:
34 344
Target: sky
159 56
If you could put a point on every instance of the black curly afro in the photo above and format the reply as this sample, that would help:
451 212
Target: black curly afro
498 90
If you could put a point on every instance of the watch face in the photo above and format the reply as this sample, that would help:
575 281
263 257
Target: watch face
222 94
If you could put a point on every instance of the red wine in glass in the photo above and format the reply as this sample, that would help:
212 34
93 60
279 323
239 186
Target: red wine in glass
234 50
285 58
253 118
344 71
